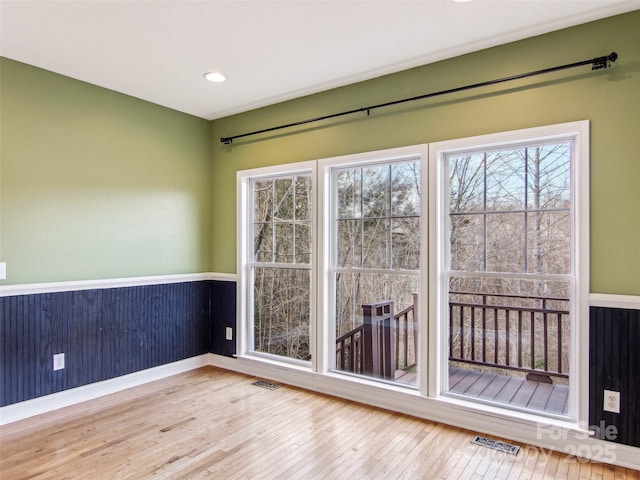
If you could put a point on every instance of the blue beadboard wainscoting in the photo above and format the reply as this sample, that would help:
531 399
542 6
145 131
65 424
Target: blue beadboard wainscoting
614 364
108 332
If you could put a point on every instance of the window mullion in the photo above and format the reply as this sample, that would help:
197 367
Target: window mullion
293 216
526 207
290 266
484 216
273 218
388 219
361 262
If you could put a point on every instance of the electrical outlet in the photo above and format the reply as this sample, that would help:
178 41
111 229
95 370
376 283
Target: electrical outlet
229 333
58 361
611 401
3 271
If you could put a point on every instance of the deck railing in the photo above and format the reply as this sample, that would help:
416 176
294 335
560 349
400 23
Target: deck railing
491 330
406 327
383 344
512 332
349 351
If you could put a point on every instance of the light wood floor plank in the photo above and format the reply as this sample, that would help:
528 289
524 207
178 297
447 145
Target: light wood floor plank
214 424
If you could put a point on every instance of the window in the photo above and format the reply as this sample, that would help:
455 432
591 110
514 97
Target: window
457 269
278 262
375 268
512 228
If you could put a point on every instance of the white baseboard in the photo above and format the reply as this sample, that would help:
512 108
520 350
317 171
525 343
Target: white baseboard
48 403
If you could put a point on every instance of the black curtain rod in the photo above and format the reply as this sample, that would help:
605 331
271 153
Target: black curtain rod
597 63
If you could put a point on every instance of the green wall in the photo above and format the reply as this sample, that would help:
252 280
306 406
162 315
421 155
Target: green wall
610 99
95 184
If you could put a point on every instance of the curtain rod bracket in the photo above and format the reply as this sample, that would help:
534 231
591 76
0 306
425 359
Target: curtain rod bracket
597 63
604 62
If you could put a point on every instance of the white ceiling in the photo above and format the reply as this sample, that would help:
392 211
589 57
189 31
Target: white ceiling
270 51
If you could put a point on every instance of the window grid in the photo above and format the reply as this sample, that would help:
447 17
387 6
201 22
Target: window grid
486 213
273 222
362 218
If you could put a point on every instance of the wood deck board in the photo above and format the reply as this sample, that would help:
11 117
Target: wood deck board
467 381
189 427
557 402
540 397
480 385
455 375
494 387
524 394
511 391
506 394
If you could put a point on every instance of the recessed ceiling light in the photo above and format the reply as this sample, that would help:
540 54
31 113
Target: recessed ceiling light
215 77
462 1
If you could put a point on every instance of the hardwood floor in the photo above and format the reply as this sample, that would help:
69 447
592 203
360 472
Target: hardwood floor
212 423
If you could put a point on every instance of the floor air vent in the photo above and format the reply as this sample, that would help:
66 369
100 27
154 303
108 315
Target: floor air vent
496 445
267 385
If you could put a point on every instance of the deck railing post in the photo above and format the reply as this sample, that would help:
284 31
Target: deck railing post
378 348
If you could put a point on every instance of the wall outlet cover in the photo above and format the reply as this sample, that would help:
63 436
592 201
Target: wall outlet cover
58 361
611 401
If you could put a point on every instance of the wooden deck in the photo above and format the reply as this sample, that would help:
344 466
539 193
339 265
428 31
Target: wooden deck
542 397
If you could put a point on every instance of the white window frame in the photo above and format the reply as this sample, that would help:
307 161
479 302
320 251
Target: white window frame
244 335
431 349
326 231
578 132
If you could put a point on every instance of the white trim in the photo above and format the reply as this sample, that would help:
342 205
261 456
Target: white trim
491 141
532 430
243 339
222 277
29 408
76 285
390 155
630 302
324 356
581 175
